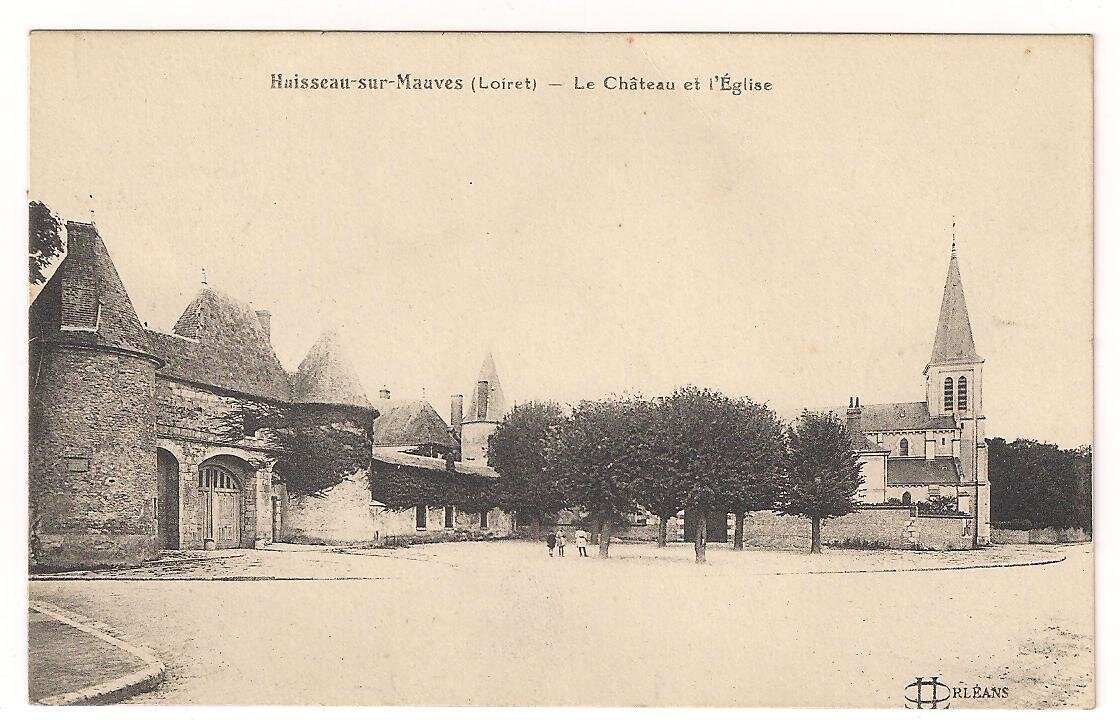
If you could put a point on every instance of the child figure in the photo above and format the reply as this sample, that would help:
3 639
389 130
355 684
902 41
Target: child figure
550 540
560 542
581 542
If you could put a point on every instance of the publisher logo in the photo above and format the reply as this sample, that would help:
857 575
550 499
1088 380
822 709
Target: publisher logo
927 694
932 694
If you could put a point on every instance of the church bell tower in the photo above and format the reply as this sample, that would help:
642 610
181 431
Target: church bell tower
955 387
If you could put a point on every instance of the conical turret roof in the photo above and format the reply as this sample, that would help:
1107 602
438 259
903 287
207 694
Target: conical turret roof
953 341
326 375
496 405
85 301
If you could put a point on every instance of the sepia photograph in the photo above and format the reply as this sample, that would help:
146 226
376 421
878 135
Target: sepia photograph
728 370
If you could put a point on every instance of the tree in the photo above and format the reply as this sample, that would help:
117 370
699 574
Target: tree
314 447
592 460
712 452
823 474
518 452
44 240
1040 484
754 487
659 489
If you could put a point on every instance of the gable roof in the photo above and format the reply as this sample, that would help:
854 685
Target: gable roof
953 341
326 375
85 301
219 341
496 404
410 423
919 471
892 417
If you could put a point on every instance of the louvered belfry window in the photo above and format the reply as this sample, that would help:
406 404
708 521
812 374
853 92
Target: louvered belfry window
962 393
948 393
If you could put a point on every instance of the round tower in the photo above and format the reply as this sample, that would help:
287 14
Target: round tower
92 466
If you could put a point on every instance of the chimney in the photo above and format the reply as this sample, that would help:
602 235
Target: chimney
854 422
264 317
384 393
80 238
457 413
483 405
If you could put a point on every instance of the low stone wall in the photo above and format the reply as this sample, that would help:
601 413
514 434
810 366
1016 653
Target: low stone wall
885 527
1039 536
340 516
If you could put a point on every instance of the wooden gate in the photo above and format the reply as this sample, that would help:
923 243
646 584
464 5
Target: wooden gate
220 494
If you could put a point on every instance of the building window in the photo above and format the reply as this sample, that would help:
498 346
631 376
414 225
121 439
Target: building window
448 516
421 517
942 441
904 447
948 393
962 393
907 498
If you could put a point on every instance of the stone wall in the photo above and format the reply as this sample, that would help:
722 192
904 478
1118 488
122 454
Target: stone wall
887 527
340 515
1040 536
92 461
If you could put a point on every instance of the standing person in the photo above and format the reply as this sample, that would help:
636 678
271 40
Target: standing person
560 542
581 542
550 540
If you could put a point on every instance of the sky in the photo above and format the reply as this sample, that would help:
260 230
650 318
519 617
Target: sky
790 245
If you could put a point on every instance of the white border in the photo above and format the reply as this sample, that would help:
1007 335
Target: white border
970 16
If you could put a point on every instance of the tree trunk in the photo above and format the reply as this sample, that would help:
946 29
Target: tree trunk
700 542
816 546
594 531
535 525
662 531
740 520
605 540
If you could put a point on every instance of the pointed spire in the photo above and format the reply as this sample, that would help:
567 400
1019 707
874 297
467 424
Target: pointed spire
953 341
495 407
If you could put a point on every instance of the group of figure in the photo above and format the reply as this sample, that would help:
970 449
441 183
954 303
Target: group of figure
556 540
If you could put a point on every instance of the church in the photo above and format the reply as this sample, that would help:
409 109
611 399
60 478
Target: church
128 456
930 449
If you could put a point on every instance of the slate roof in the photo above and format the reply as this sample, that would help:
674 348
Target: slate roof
395 457
219 341
410 423
953 340
85 301
496 406
891 417
919 471
326 375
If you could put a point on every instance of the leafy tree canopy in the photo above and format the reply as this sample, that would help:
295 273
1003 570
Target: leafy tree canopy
44 240
1040 484
596 461
824 471
519 452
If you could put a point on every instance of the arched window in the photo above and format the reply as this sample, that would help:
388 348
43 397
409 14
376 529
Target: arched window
962 393
948 393
213 477
907 498
903 447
